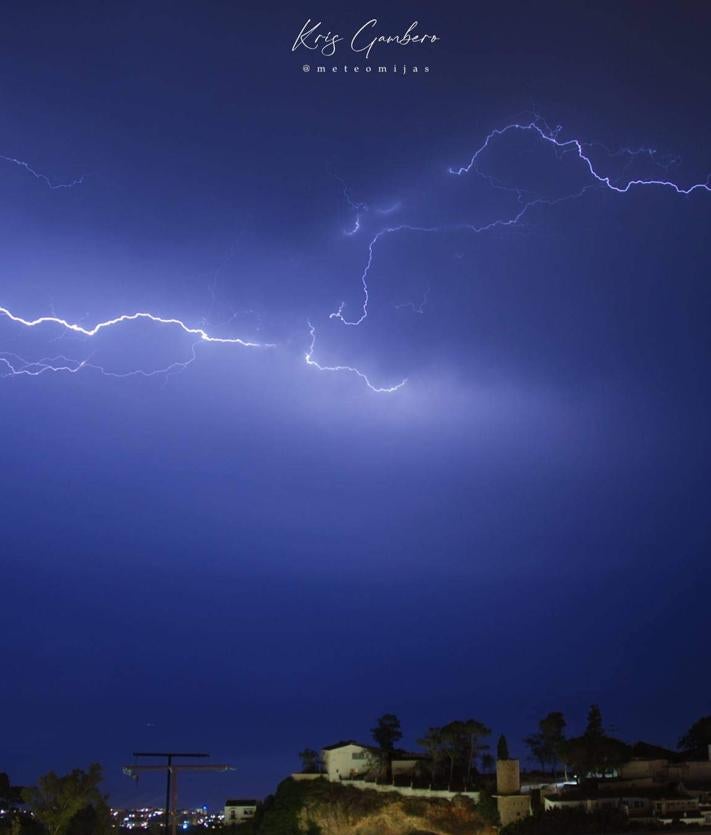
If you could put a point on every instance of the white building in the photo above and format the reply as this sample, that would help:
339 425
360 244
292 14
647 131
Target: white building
657 802
348 759
656 770
239 811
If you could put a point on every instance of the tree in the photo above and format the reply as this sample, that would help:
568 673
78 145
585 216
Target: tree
57 800
476 732
698 735
536 745
546 745
433 744
386 733
93 819
488 808
553 729
12 819
502 748
594 727
458 743
487 762
310 761
594 752
453 744
9 795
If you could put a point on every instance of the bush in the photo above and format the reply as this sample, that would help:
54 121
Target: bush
488 808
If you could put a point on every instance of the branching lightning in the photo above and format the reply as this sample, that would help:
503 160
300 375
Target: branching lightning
43 177
548 135
338 314
15 365
348 369
361 209
576 145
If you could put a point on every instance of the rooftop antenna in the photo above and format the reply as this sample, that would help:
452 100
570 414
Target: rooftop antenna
172 769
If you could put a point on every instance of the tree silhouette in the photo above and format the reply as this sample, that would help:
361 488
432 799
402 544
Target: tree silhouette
698 735
310 761
57 800
546 745
386 733
594 752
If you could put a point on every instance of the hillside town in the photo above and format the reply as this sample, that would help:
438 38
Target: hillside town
654 787
458 781
638 785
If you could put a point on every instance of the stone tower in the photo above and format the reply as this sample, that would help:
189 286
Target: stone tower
512 805
508 778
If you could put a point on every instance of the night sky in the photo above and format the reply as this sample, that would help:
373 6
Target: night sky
249 555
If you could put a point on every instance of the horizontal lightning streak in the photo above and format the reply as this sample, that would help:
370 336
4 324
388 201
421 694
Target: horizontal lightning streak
550 136
14 365
546 134
17 366
349 369
131 317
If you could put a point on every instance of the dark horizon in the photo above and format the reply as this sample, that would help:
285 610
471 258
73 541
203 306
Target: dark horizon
263 550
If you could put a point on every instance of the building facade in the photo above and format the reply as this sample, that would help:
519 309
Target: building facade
239 811
348 760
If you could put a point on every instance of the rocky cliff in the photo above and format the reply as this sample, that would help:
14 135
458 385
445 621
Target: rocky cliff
322 808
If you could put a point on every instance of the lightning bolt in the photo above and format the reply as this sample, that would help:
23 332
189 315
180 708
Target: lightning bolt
416 308
348 369
357 207
338 314
513 220
132 317
43 177
17 366
362 208
14 365
550 136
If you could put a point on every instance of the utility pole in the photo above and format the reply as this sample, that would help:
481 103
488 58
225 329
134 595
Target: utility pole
172 769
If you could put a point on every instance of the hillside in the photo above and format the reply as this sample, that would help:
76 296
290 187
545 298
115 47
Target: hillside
322 808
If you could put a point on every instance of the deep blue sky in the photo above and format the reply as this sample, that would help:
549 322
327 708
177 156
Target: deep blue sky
252 556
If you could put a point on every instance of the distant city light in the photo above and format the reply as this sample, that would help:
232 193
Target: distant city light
146 817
